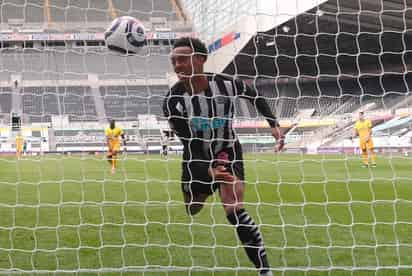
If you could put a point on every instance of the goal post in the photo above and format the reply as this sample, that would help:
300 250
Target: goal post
317 63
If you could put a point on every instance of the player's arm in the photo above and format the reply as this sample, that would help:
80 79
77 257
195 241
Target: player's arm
369 135
106 133
355 133
262 106
370 131
172 111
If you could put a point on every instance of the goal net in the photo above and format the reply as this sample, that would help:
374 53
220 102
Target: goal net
317 63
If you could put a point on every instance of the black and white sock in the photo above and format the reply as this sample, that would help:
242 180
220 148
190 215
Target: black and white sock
251 238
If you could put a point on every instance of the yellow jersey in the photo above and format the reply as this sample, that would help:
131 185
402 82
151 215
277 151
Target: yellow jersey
113 134
364 128
19 140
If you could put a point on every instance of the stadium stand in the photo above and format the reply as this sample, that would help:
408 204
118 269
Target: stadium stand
127 102
78 11
5 100
82 101
144 9
78 103
286 107
44 72
40 103
77 63
30 10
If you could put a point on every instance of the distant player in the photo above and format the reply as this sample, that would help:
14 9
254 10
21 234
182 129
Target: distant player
200 110
164 140
363 129
113 135
19 145
25 148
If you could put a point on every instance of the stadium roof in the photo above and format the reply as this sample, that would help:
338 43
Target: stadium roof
338 38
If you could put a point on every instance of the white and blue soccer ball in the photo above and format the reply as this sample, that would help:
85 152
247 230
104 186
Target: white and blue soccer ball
125 35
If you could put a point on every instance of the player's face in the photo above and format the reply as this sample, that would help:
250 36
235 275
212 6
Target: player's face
185 63
361 116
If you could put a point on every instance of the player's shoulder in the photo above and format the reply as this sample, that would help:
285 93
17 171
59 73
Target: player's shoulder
239 85
107 130
177 89
369 122
175 96
220 76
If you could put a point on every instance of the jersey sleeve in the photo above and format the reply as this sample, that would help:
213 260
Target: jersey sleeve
369 124
106 132
121 132
245 91
174 112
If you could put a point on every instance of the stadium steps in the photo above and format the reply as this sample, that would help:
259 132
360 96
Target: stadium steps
337 134
345 107
99 104
16 100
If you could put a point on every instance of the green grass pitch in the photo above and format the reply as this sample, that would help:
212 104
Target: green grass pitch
317 213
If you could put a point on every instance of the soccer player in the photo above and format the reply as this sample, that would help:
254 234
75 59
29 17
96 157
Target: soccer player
363 129
19 145
164 141
25 148
113 135
200 110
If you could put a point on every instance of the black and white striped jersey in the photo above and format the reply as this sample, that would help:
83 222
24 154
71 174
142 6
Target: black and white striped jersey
203 121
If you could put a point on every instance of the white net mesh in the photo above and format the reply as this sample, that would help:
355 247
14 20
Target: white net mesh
316 62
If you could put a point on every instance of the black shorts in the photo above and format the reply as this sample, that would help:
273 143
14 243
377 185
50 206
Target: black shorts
195 173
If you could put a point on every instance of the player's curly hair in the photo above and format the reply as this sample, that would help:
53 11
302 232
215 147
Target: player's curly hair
196 44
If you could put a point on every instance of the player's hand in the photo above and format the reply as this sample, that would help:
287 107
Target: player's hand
219 173
280 144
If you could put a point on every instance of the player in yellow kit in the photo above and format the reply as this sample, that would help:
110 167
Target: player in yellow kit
363 129
19 145
113 135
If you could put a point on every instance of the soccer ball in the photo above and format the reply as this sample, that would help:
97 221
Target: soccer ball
125 35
